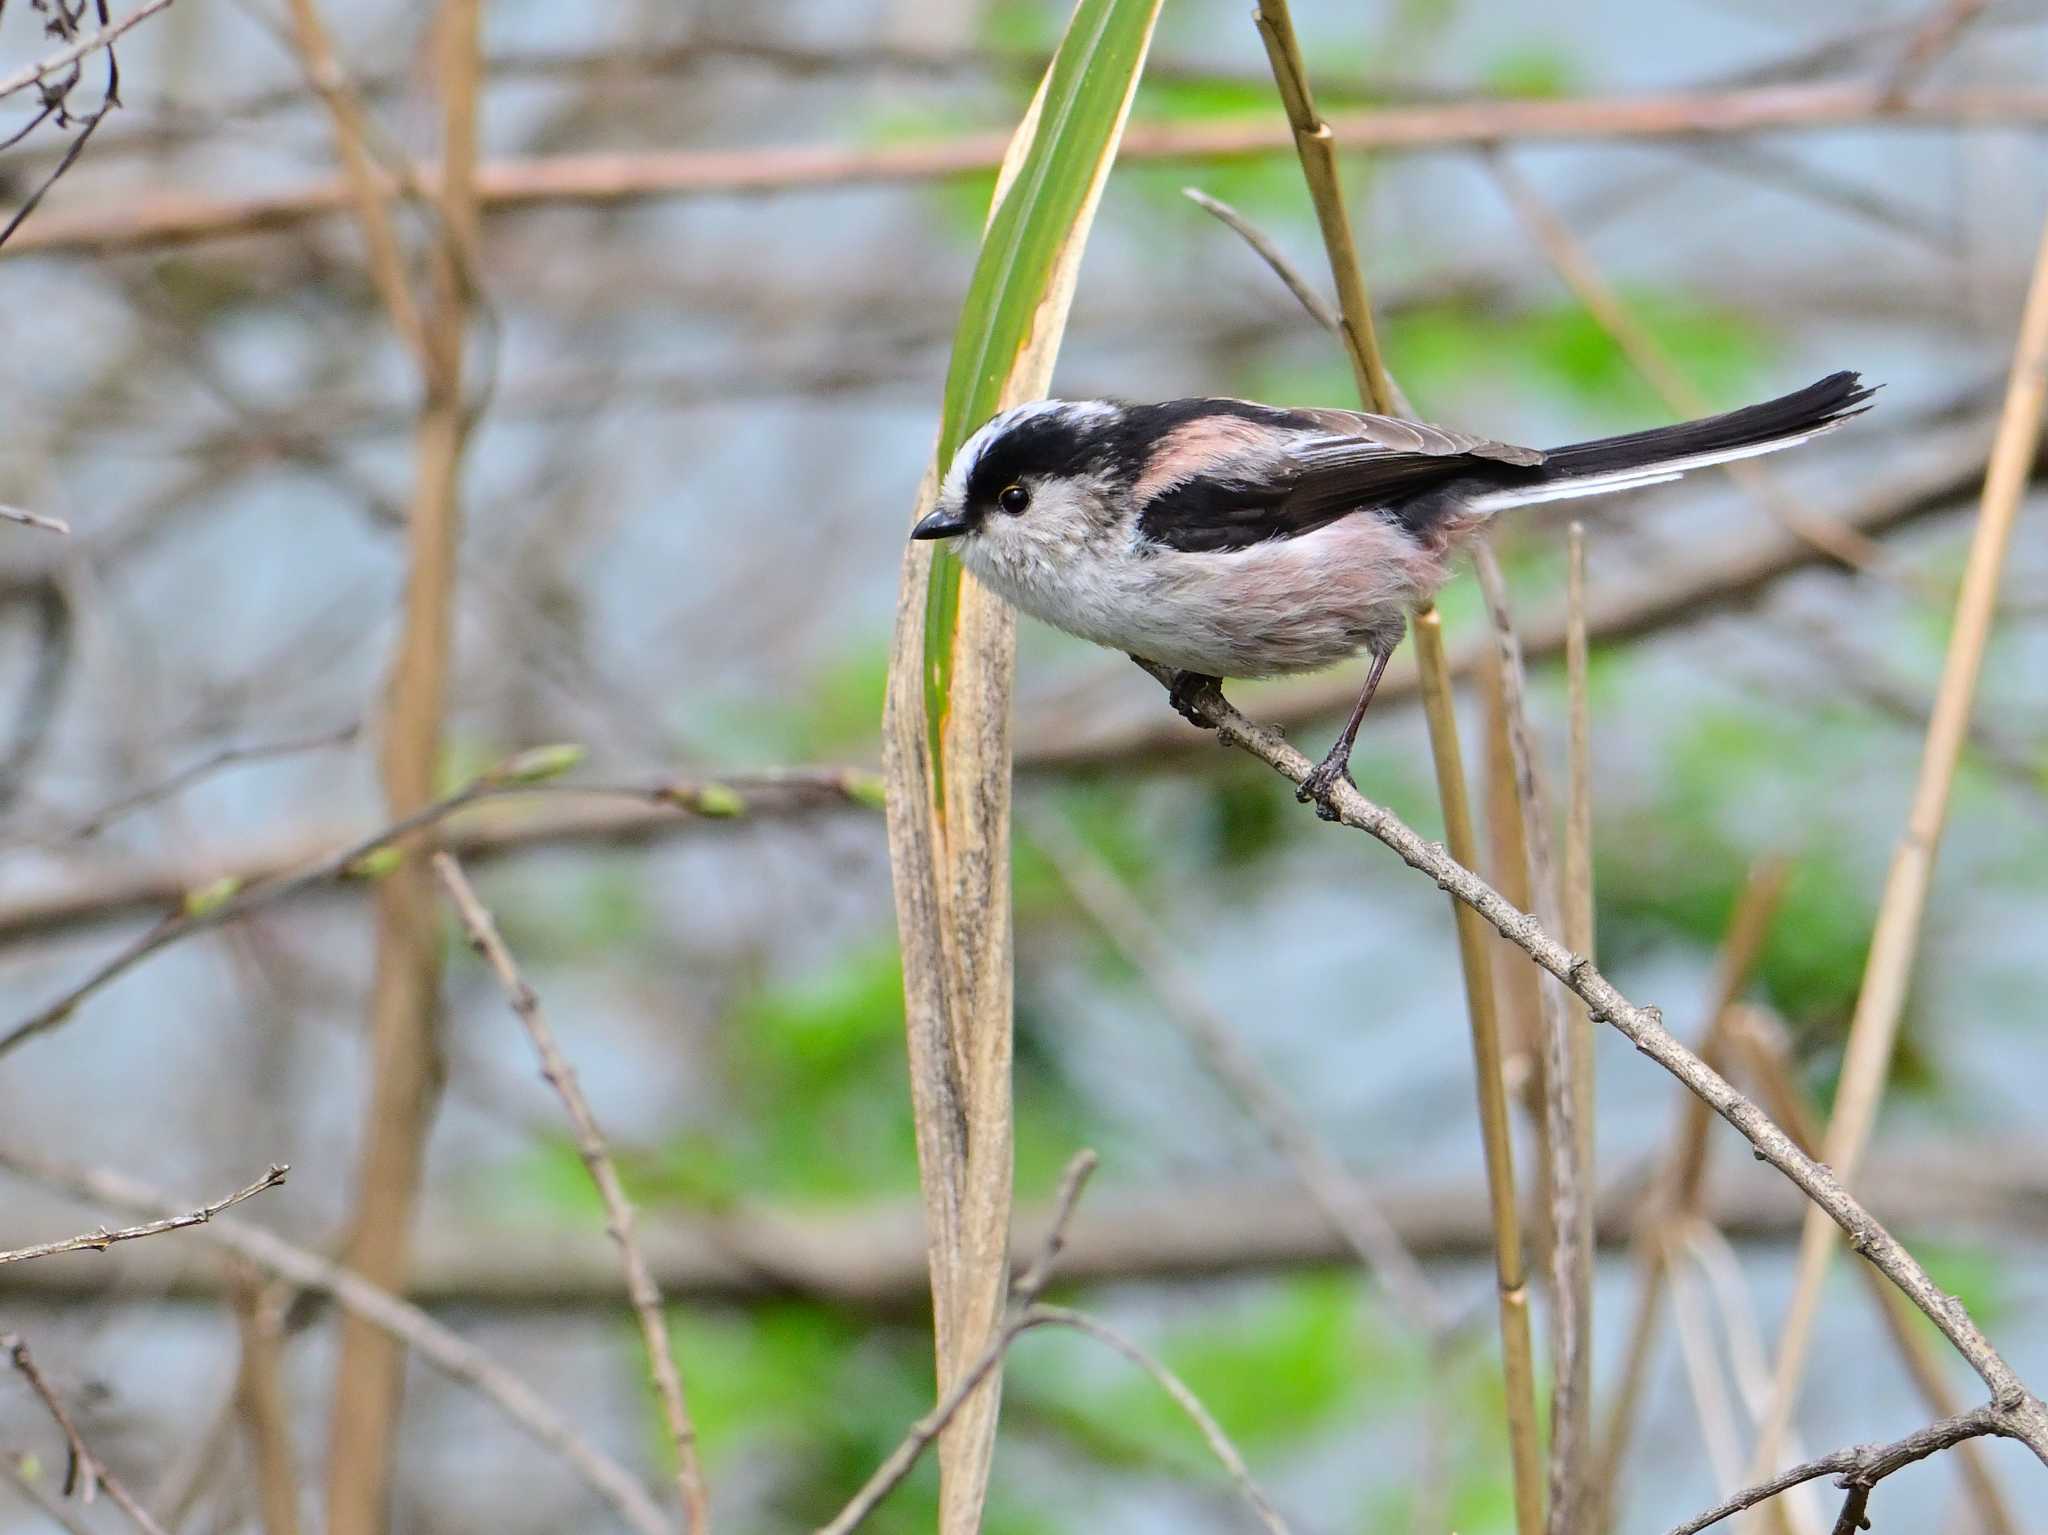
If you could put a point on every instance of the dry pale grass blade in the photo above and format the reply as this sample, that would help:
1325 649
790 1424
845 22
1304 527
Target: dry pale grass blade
1511 1274
1681 1184
260 1397
1571 1195
1507 865
1873 1028
1317 147
946 728
1576 898
1315 144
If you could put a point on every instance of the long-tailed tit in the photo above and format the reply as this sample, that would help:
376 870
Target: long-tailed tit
1220 538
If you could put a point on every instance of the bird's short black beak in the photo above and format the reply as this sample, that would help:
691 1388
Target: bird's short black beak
941 524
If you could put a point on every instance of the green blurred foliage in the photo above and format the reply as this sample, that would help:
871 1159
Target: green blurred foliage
810 1401
1560 350
815 1107
1533 70
1978 1277
834 716
1675 865
1297 1356
1556 351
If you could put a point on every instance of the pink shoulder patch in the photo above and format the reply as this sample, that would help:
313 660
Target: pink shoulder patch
1197 448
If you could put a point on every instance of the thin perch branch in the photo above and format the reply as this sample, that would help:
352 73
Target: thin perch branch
590 1144
1644 1028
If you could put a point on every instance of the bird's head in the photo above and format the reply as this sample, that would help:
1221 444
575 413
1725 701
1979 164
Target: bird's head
1034 483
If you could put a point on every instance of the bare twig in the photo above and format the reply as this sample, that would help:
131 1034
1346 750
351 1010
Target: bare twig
1571 1214
102 1239
1027 1314
77 49
36 519
84 1473
1935 35
1643 1027
870 1260
609 178
322 68
641 1290
1894 943
230 898
620 813
440 1347
1865 1465
206 767
1317 308
1212 1433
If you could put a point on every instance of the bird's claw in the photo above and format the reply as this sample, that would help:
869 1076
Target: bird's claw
1320 787
1191 693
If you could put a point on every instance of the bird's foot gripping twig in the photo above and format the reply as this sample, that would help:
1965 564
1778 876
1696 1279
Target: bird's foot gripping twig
1323 779
1192 694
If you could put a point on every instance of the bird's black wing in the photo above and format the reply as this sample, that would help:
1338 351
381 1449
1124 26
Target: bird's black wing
1331 463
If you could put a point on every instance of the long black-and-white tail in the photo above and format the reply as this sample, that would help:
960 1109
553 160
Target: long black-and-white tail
1666 452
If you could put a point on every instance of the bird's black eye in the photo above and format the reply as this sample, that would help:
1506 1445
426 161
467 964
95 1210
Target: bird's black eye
1014 499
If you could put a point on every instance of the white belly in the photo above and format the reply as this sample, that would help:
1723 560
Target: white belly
1289 605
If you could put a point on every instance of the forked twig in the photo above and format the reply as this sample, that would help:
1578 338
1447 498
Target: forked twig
1864 1465
84 1472
446 1350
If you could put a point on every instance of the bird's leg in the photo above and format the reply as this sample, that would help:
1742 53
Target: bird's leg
1189 691
1336 767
